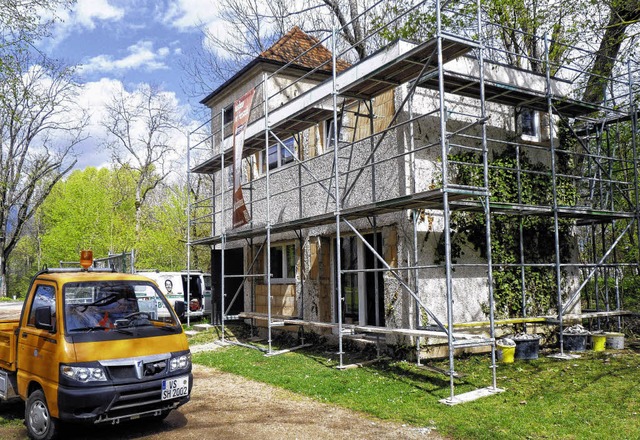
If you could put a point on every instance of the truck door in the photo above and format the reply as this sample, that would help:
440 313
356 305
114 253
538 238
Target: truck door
37 348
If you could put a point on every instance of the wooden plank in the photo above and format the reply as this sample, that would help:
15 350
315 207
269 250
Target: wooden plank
471 396
501 322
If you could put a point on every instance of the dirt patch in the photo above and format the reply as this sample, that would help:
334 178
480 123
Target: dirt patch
225 406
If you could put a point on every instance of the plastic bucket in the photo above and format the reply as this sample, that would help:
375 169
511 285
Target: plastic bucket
598 342
574 342
615 340
506 353
527 349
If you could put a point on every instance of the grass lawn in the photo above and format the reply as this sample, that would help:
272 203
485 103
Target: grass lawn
594 397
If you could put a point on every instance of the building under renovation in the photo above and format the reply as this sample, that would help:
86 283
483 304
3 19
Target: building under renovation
419 192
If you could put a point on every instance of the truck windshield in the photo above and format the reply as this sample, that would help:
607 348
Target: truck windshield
121 306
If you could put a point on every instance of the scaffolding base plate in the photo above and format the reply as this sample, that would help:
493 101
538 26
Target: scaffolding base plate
471 396
564 356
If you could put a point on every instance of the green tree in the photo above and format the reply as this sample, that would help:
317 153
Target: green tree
162 240
86 211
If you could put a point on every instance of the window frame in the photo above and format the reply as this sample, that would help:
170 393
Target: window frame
290 143
534 135
288 271
227 114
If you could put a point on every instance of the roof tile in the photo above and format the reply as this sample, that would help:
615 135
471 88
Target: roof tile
302 50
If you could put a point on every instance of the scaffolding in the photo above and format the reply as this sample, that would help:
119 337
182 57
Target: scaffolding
346 190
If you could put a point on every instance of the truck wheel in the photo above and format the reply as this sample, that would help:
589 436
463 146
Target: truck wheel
40 424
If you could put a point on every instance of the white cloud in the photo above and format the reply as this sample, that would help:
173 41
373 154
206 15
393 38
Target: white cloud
94 97
84 15
187 14
87 12
141 56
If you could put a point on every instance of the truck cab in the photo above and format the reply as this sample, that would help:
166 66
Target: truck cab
92 347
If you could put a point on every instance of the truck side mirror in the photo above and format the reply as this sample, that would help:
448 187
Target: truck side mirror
43 318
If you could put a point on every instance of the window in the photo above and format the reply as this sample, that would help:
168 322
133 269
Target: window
327 141
283 263
227 114
45 296
530 124
280 154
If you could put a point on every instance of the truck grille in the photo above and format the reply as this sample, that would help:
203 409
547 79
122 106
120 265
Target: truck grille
126 370
139 371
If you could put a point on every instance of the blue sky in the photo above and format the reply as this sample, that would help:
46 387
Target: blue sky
130 41
120 44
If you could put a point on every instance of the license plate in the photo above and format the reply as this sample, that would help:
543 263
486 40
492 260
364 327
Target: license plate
175 388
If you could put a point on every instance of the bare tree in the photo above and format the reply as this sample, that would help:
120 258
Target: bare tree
39 126
140 126
251 26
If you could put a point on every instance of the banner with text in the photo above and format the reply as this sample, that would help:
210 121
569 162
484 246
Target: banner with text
241 112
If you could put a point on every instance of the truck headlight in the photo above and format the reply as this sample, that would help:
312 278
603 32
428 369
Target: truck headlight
83 374
180 362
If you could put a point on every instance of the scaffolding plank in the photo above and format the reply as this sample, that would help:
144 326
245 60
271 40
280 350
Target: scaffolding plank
584 214
578 316
432 199
396 63
471 396
501 322
287 350
508 85
363 328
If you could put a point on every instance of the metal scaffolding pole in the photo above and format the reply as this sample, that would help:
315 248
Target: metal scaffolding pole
188 226
414 220
337 192
445 200
223 244
265 104
556 231
634 130
487 198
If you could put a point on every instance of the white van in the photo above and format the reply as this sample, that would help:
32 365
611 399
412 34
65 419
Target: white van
177 285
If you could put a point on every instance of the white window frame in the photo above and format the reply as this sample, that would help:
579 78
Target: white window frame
288 274
328 133
281 152
227 111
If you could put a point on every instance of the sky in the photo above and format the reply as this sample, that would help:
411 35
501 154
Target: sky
125 43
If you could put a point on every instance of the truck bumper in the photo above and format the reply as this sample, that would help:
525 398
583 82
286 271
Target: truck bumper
115 403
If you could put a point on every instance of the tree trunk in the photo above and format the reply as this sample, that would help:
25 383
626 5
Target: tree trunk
3 271
622 14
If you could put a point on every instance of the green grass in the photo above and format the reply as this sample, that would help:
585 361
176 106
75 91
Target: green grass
596 396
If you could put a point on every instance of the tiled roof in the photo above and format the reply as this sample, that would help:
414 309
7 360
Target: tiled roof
302 50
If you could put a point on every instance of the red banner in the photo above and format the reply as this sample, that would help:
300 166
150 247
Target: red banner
241 112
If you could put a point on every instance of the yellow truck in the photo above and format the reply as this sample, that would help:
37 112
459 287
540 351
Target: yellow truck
90 347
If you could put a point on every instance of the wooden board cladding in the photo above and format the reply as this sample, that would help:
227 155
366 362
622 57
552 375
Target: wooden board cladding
283 299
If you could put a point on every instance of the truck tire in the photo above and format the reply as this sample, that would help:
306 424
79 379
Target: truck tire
40 424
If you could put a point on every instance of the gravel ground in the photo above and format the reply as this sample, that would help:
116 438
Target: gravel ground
225 406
